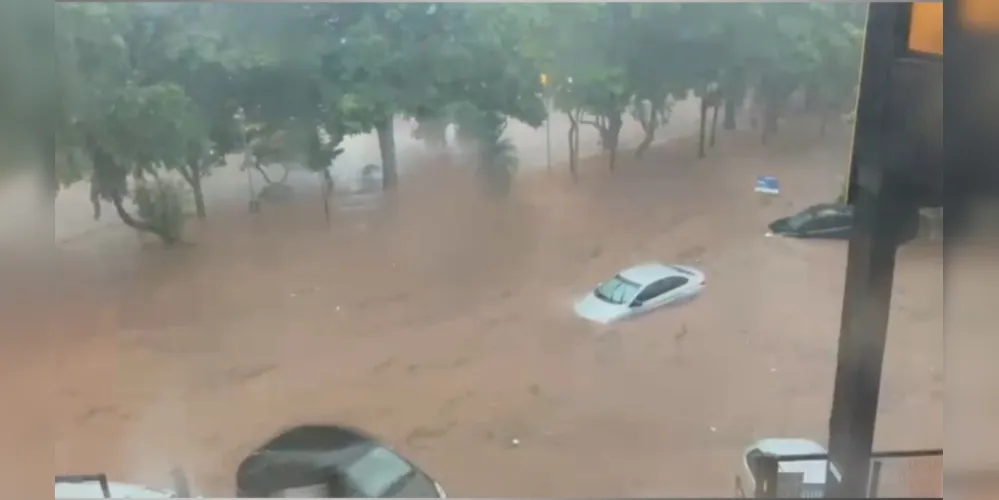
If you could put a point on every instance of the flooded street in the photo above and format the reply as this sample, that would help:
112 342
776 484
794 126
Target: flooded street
442 322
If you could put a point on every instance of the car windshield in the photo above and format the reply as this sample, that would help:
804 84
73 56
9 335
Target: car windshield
617 290
377 472
799 219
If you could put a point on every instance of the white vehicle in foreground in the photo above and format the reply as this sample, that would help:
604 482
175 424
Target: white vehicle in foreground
98 486
795 478
640 289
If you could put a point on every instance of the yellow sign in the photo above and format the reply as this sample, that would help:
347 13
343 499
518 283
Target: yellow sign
544 79
980 14
926 27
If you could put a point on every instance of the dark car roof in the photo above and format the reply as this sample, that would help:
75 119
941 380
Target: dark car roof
316 437
829 209
300 455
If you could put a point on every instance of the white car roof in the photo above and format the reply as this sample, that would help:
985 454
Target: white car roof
643 274
647 273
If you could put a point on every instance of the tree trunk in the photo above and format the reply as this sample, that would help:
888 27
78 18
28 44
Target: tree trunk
733 95
649 127
714 123
573 146
192 174
327 191
263 173
128 220
614 124
703 132
729 117
770 120
50 180
823 119
386 146
199 198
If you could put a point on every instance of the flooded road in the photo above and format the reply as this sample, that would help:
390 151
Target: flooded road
442 322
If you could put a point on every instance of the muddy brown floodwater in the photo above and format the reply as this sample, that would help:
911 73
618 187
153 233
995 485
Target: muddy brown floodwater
442 322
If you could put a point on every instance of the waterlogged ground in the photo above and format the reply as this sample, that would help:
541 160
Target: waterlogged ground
442 322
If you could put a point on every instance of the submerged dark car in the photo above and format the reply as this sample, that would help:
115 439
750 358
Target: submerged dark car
320 461
825 220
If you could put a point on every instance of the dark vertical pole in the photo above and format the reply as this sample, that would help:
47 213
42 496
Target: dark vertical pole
766 477
876 195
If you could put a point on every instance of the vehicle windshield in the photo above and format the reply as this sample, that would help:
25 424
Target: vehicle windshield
378 472
799 219
617 290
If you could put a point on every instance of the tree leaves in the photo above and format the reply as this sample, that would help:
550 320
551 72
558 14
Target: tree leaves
160 83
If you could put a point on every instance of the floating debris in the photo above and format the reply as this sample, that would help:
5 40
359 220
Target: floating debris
767 184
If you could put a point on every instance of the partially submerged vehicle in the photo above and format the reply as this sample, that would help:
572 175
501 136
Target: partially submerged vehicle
639 290
825 220
324 461
796 477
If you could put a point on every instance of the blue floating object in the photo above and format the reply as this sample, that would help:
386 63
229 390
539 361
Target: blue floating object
767 184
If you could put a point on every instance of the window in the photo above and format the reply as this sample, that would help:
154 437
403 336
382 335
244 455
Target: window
660 287
377 472
617 290
799 220
819 223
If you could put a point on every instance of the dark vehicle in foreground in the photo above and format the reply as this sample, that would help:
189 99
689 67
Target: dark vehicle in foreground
825 220
324 461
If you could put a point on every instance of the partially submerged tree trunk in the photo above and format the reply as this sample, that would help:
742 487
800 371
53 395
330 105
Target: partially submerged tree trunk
612 137
728 122
770 120
50 180
267 178
119 206
734 94
703 130
609 128
714 123
386 146
108 181
573 145
327 192
199 197
193 175
649 125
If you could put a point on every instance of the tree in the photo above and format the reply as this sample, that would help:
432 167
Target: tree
665 61
781 48
578 46
112 124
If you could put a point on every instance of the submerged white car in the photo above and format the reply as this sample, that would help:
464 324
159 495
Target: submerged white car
639 290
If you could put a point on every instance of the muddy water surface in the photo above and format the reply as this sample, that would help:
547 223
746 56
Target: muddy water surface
442 322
